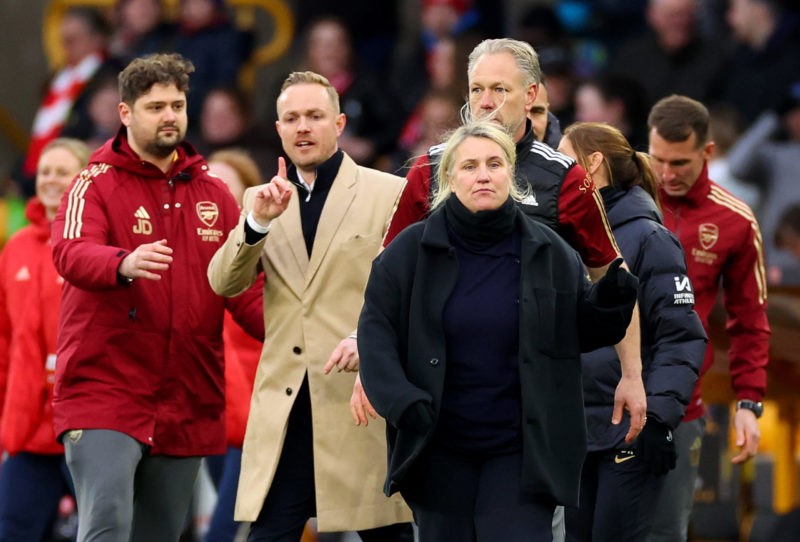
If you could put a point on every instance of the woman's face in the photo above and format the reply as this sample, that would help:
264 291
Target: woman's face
57 167
231 178
328 49
480 178
221 121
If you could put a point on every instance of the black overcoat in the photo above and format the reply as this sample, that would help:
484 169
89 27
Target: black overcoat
403 359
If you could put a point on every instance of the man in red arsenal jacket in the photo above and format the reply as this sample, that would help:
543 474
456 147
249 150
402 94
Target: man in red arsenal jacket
139 394
722 242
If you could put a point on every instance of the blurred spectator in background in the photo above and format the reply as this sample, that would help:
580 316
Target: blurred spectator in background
673 57
438 60
102 103
140 29
373 119
437 113
446 18
84 34
208 38
787 232
542 28
767 155
242 352
226 120
446 68
724 128
767 56
617 100
373 26
34 474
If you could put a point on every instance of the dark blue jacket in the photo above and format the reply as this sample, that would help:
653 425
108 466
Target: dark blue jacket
672 336
401 344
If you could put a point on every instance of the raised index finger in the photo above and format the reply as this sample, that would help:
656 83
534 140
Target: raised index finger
281 167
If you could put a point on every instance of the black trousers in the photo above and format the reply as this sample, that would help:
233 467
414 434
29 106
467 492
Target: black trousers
474 498
617 500
290 501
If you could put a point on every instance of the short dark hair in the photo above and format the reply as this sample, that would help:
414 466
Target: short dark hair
142 73
676 117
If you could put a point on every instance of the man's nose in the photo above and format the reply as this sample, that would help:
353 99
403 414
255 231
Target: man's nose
665 172
486 101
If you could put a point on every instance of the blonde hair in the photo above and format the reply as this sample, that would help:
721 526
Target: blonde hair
75 147
524 55
480 129
312 78
241 161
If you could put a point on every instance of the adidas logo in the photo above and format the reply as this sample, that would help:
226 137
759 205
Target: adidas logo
143 225
23 274
530 199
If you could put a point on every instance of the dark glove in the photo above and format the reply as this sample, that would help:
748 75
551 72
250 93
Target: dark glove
617 287
417 418
656 447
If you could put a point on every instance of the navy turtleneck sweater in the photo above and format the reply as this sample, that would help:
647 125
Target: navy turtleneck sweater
481 404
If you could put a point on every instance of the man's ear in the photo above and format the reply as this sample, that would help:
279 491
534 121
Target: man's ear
124 113
530 96
341 122
708 150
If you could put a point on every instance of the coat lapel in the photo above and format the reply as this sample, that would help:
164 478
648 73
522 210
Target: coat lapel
292 264
339 200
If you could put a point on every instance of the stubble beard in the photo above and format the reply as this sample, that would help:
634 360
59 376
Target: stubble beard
162 146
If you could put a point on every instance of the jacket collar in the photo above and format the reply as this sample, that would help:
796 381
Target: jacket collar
118 153
36 215
625 205
524 145
434 233
326 173
696 194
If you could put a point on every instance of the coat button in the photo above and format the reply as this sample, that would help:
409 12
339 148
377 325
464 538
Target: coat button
297 350
434 362
288 391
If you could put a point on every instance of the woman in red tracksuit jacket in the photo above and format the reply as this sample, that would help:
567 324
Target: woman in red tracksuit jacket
34 476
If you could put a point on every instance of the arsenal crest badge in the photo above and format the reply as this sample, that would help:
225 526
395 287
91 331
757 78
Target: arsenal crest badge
208 212
709 234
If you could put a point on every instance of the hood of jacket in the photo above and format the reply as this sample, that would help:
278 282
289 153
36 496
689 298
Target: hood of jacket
36 215
117 152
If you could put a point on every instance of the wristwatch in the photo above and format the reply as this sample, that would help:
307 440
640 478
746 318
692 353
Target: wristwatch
755 407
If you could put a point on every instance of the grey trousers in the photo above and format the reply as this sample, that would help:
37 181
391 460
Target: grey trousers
671 522
124 493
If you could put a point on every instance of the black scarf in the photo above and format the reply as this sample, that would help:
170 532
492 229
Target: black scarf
483 227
